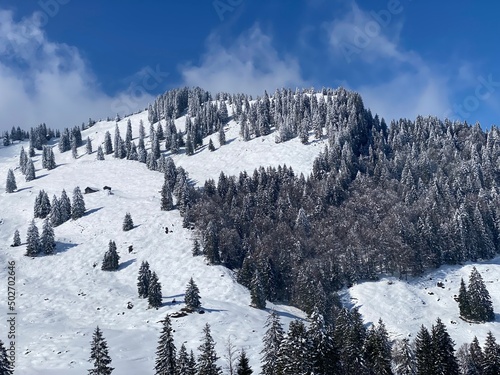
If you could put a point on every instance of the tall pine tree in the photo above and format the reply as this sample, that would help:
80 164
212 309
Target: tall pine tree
165 363
207 360
99 355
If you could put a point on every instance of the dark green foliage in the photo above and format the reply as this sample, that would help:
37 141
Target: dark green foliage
196 248
55 212
272 343
211 244
17 239
463 300
294 356
128 224
192 296
445 362
154 292
424 352
65 206
257 293
211 146
88 146
32 240
324 353
378 350
42 206
491 356
10 185
48 158
481 307
403 357
184 364
165 363
23 160
6 367
167 202
47 242
207 360
143 280
78 205
30 170
100 153
108 145
111 258
243 367
99 355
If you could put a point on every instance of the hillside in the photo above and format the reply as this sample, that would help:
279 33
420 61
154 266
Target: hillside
62 298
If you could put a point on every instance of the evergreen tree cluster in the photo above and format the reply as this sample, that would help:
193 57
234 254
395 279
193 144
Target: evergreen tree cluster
149 286
111 260
60 209
70 139
37 244
428 187
17 134
40 135
48 158
474 302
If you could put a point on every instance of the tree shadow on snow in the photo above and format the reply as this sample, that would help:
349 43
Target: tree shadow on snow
284 314
126 264
24 188
90 212
41 176
175 296
212 310
62 247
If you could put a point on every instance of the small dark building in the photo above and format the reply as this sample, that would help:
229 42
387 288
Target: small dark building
106 188
89 190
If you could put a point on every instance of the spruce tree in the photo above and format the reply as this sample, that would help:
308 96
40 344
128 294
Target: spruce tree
295 351
243 367
196 248
128 224
491 356
183 363
65 206
78 206
30 170
272 342
143 280
17 239
23 160
154 292
207 360
167 203
443 350
42 206
74 147
47 242
99 355
424 352
192 296
6 367
211 146
10 185
88 146
32 240
165 363
257 293
55 212
481 307
463 300
222 136
111 258
108 145
324 355
100 153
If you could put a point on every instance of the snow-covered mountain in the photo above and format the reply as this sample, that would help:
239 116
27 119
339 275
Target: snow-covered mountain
60 299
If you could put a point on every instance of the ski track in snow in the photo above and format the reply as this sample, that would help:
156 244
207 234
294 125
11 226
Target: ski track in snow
61 298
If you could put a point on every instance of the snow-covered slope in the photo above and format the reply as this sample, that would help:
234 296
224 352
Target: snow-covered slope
404 305
62 298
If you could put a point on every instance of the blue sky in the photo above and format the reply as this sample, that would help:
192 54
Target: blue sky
63 61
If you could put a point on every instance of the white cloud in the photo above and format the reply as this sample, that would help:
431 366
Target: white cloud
411 86
250 65
45 81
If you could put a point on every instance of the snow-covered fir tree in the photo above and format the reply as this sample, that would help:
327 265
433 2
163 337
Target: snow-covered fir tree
192 296
111 260
184 364
222 136
42 205
108 144
295 351
99 355
211 146
30 170
243 366
403 357
257 292
143 280
100 153
47 241
196 248
16 241
78 204
23 160
154 292
74 148
128 223
10 184
481 307
165 363
491 356
377 348
6 367
88 146
32 240
55 212
207 360
167 202
65 206
272 341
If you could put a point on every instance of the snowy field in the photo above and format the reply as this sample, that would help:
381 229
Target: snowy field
62 298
